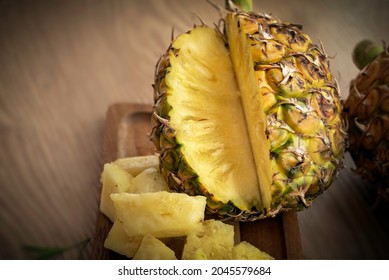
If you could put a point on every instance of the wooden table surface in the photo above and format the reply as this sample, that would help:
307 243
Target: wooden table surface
63 63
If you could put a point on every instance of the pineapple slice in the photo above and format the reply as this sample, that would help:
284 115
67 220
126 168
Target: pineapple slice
149 180
118 241
160 214
135 165
153 249
114 180
246 251
215 238
253 106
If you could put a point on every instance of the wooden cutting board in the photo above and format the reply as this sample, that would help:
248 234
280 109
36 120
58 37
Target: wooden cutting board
126 134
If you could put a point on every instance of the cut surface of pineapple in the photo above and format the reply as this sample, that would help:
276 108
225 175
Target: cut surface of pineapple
252 104
246 251
214 238
114 180
135 165
118 241
208 118
149 180
160 214
198 254
152 248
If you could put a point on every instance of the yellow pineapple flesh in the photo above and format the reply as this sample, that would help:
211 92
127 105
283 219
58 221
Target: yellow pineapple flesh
160 214
153 249
114 180
120 242
214 238
201 115
137 164
247 251
148 180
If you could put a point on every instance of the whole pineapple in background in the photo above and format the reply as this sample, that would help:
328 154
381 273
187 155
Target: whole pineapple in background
249 117
367 113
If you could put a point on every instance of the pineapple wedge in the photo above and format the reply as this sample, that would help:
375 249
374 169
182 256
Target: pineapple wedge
114 180
215 238
153 249
160 214
118 241
247 251
149 180
135 165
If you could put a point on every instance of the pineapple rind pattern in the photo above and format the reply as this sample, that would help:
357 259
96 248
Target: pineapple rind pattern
367 112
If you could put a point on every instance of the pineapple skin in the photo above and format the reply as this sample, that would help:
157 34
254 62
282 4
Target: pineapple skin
303 119
367 112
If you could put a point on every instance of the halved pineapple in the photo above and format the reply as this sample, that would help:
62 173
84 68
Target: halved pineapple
118 241
160 214
114 180
153 249
247 251
250 118
214 238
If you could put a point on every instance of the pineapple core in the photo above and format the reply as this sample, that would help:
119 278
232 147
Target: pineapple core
209 119
252 104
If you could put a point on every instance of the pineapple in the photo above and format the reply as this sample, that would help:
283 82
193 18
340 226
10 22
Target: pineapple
367 112
131 174
153 249
135 165
214 238
118 241
246 251
160 214
114 180
149 180
198 254
249 118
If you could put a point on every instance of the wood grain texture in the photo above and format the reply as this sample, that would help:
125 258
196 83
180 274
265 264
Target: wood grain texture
126 134
63 63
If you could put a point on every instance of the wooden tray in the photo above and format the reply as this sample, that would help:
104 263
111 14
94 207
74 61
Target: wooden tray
126 134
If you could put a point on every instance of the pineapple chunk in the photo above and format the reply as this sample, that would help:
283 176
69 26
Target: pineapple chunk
118 241
114 180
160 214
246 251
215 238
149 180
153 249
135 165
198 254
